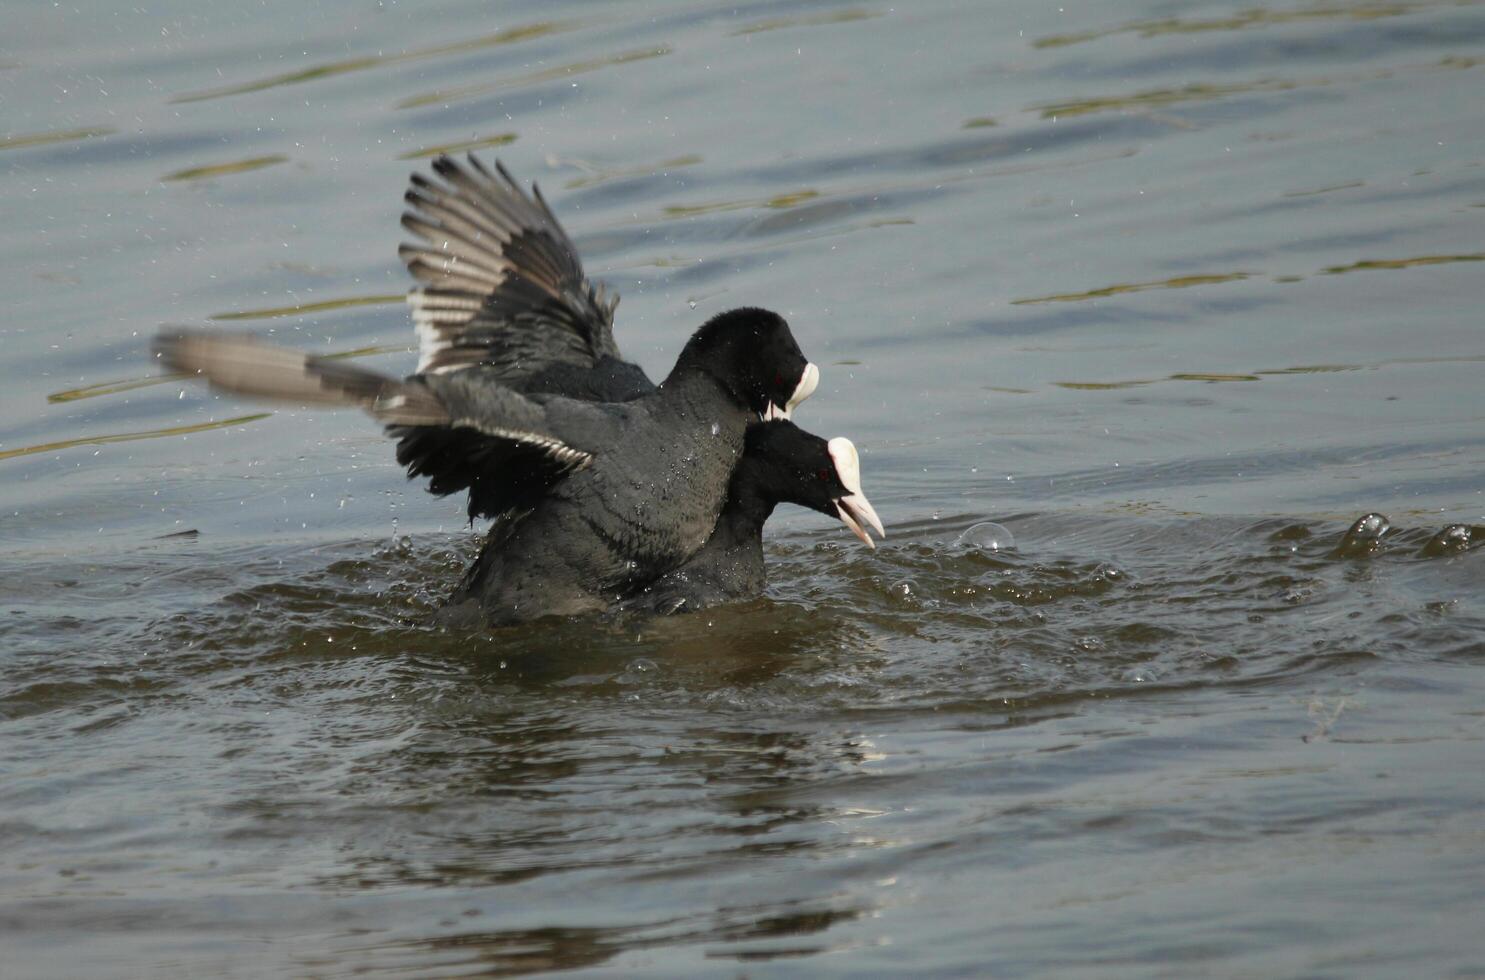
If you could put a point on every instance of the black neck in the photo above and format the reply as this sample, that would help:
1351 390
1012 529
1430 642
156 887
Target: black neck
715 351
750 502
692 380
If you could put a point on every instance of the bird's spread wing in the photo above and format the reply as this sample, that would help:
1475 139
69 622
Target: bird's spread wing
502 285
505 448
465 431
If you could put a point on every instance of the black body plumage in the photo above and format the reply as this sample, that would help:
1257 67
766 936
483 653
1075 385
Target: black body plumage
781 463
599 481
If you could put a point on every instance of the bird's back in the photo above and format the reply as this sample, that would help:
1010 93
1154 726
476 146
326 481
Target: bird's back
641 507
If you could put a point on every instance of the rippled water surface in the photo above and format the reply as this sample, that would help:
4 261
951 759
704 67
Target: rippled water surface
1172 292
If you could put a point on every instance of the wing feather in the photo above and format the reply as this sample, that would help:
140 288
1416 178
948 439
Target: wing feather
466 434
501 283
244 365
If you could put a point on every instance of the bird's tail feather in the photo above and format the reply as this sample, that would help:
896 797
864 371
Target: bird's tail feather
244 365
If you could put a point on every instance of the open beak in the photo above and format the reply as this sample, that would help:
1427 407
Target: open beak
854 511
808 382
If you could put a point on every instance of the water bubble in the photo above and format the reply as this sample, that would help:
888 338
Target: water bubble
1364 536
987 536
1450 541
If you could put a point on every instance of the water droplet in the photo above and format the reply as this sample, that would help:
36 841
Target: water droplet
987 536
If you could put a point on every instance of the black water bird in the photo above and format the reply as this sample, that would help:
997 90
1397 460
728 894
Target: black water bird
599 481
781 463
593 498
518 336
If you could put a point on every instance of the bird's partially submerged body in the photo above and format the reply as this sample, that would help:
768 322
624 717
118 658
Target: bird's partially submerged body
781 463
600 483
603 532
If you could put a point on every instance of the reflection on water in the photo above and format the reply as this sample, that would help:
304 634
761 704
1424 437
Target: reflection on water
1250 18
1183 282
226 169
60 136
1403 263
481 143
777 202
1178 628
1179 282
593 174
318 306
523 951
815 20
1155 98
330 69
103 440
557 73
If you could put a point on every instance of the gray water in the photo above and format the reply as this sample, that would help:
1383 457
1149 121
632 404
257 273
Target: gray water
1174 292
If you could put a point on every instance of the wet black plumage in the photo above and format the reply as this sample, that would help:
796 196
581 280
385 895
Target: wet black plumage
569 349
781 463
593 496
651 495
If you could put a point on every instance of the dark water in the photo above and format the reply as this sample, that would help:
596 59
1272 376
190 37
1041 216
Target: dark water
1173 292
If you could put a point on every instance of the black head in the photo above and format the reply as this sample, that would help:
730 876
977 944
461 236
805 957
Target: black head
782 463
754 354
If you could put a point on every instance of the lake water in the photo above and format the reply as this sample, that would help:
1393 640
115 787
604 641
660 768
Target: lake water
1173 292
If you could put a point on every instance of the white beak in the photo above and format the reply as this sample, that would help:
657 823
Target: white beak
853 508
809 380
